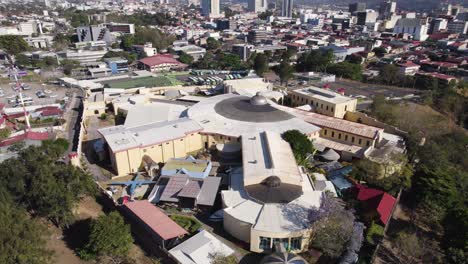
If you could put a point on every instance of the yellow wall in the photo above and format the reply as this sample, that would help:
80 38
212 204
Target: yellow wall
323 107
212 140
129 161
346 137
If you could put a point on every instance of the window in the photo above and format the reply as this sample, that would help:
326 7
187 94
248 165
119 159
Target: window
167 143
346 137
327 107
368 143
360 141
325 132
321 106
339 135
182 140
222 137
316 104
333 134
296 243
352 139
229 138
284 241
332 109
345 107
265 243
144 150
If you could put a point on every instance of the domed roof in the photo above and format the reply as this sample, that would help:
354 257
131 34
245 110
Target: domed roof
272 181
283 258
255 109
258 99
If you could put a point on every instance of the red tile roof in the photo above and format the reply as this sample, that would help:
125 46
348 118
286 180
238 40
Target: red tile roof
408 64
29 135
377 200
51 112
161 59
152 216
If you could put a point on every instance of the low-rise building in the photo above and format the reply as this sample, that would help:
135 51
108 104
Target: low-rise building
160 62
323 101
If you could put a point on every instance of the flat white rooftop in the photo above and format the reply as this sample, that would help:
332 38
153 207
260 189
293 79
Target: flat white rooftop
324 95
120 138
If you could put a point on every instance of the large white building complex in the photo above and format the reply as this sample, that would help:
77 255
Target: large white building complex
269 197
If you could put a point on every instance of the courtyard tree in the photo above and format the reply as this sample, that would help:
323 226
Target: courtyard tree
186 58
212 43
332 227
260 64
300 144
109 237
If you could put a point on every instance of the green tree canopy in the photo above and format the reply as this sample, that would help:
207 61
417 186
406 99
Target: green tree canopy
300 144
42 184
13 44
346 70
260 64
186 58
109 236
315 60
159 39
212 43
285 72
22 239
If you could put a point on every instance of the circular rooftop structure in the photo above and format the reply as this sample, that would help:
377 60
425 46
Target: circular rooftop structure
283 258
254 109
258 99
272 190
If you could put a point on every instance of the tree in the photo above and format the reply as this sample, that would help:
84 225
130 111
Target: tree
260 64
265 15
315 60
159 39
300 144
390 74
212 43
127 41
61 42
219 258
22 238
22 60
130 57
49 188
285 72
13 44
5 133
69 65
346 70
109 236
379 51
332 227
186 58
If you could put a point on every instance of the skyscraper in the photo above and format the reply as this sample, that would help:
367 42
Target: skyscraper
257 6
287 8
387 9
357 7
210 7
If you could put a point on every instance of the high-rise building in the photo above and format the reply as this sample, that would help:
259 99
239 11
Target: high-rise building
367 17
257 6
210 8
437 25
287 8
357 7
456 26
387 8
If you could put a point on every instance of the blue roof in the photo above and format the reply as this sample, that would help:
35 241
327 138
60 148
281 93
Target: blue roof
340 182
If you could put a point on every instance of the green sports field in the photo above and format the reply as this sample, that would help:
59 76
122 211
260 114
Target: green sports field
141 82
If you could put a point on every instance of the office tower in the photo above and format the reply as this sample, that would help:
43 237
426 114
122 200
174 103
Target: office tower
367 17
210 7
257 6
357 7
387 9
287 8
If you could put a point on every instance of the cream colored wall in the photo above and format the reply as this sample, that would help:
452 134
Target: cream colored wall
212 140
346 137
129 161
238 229
323 107
256 234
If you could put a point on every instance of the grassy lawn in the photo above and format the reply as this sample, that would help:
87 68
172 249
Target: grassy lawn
188 223
142 82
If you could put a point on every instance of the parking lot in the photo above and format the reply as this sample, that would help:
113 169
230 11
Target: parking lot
51 93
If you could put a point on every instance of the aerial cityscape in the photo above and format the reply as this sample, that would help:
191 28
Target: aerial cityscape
233 131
